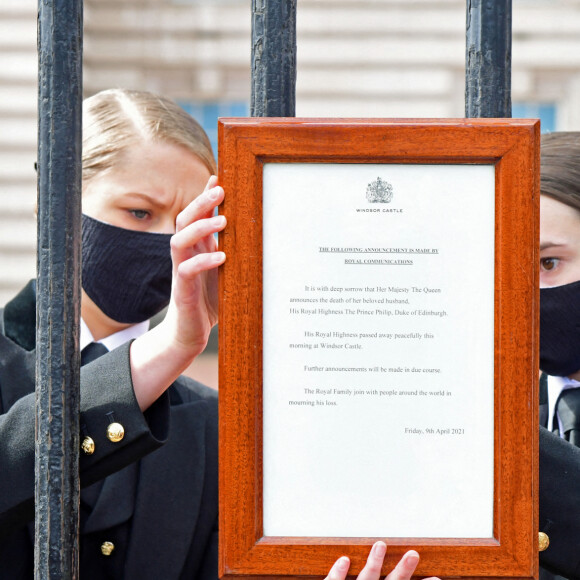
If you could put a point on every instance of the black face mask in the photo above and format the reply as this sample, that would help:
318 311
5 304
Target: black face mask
560 329
126 273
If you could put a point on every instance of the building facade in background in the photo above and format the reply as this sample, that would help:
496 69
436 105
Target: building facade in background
356 58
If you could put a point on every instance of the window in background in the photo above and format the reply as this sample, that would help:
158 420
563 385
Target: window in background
207 115
546 112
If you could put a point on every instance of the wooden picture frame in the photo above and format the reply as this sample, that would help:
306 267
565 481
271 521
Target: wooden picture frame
512 147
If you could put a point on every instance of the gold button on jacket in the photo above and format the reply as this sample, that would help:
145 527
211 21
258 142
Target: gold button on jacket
115 432
543 541
88 446
107 548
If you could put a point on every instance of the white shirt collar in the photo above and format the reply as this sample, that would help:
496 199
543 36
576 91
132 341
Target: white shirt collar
555 386
114 340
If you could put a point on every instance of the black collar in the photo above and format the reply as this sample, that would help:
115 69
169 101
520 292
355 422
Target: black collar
20 317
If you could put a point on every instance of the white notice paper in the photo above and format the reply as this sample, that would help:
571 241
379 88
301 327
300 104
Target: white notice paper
378 350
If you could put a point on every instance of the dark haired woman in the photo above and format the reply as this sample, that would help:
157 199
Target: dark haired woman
560 353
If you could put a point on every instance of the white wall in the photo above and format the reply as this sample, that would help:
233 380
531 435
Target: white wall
388 58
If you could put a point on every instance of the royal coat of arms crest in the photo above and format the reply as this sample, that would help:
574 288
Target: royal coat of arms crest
379 191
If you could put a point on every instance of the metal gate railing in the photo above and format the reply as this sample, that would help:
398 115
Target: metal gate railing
58 288
487 94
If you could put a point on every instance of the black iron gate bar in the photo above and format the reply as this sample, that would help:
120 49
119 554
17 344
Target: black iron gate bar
273 58
58 289
487 94
488 58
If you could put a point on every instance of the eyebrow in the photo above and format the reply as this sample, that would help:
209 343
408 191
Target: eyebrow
550 245
146 197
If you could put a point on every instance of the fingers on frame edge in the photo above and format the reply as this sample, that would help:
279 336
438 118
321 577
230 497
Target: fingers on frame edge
197 231
339 569
406 566
374 563
200 263
201 207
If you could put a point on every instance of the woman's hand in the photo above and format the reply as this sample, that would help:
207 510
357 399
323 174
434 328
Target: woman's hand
193 307
162 354
372 570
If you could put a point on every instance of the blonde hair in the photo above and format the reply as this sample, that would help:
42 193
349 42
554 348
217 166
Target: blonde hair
116 119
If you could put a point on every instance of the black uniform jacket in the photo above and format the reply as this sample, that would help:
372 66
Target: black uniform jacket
158 502
560 505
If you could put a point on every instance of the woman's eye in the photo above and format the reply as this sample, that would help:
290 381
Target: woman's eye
548 264
140 214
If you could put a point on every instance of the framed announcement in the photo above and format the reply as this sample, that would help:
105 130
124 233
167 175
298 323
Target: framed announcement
378 345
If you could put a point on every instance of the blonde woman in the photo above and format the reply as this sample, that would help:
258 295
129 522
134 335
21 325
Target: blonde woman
149 491
149 504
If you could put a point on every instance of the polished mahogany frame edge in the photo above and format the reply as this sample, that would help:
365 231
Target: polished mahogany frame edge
513 146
